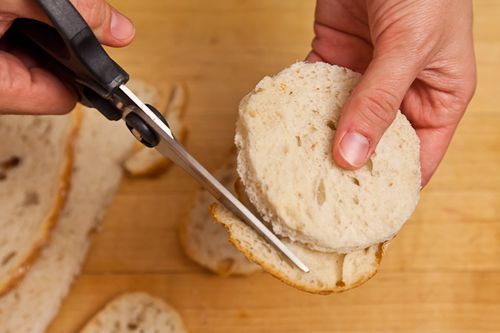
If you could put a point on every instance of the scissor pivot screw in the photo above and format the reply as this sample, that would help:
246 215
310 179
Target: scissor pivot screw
141 130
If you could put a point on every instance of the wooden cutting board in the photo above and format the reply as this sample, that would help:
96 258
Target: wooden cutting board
441 274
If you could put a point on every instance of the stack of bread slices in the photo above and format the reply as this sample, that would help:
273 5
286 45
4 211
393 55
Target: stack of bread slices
338 222
57 176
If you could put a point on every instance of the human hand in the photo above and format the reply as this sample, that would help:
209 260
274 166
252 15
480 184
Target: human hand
416 56
27 88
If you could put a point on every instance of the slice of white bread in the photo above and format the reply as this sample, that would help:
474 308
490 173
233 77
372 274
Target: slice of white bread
101 147
33 187
204 241
329 272
136 312
146 162
284 139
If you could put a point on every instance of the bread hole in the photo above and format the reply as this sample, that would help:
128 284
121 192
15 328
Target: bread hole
299 141
31 198
369 165
366 249
355 181
340 269
340 283
285 150
8 257
132 326
355 199
331 125
380 252
320 193
10 163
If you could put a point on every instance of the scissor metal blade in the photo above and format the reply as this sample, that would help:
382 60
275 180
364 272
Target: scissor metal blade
172 149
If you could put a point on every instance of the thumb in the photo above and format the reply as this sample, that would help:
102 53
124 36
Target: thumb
371 109
109 26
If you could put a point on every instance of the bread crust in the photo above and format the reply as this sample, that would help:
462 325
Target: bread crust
339 287
16 274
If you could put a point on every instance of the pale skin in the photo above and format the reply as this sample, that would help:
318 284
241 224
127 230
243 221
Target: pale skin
27 88
416 56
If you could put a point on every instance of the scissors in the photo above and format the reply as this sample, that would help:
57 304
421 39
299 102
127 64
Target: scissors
71 51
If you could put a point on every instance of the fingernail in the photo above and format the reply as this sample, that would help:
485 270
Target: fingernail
354 148
121 27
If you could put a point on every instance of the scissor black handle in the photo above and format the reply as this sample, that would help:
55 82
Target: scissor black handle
72 52
74 45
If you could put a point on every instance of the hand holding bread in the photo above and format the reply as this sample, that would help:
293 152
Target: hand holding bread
415 56
337 221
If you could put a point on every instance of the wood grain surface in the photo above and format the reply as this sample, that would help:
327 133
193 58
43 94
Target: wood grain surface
441 274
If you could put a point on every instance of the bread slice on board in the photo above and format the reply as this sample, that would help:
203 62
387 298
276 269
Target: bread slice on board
284 138
147 162
329 272
207 242
101 148
136 312
33 188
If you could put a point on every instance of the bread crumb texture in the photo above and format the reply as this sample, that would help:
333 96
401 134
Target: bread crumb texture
284 139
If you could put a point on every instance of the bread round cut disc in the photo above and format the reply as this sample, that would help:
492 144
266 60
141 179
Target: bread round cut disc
284 139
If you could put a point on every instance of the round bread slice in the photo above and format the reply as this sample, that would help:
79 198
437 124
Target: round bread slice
284 139
36 161
329 272
136 312
205 241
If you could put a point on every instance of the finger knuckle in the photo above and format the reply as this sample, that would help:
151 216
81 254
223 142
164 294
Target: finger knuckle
379 107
